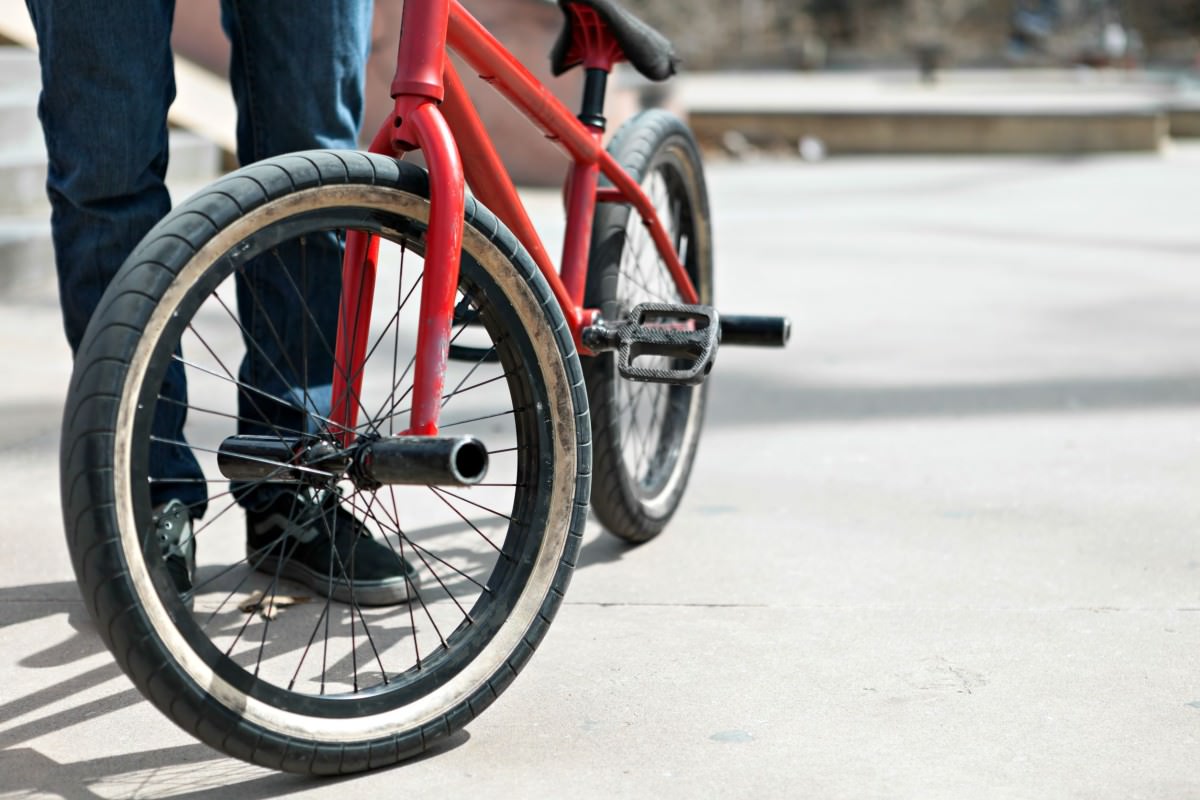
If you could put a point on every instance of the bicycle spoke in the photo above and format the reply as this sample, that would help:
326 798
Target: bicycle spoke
309 404
463 517
446 397
412 616
280 467
391 412
261 352
224 415
396 382
253 390
483 358
470 502
481 419
396 339
274 586
248 574
308 646
416 594
649 442
395 319
444 588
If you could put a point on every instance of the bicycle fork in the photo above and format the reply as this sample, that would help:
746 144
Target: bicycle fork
418 124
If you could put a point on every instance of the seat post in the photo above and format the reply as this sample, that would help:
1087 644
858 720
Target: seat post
595 85
594 45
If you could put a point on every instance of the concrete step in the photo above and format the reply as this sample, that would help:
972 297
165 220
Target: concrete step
23 176
19 126
19 68
26 258
194 162
1185 119
194 159
26 250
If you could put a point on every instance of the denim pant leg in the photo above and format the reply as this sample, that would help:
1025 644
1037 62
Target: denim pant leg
107 81
297 73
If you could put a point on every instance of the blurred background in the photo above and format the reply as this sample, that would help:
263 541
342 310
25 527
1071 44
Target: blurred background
944 545
806 77
817 77
840 34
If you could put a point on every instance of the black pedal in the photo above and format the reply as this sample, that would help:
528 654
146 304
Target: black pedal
688 335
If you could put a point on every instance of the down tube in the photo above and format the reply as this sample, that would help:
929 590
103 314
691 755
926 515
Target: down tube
489 179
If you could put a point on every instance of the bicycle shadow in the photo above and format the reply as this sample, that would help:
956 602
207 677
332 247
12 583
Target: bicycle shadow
31 603
747 399
171 770
22 604
184 772
603 548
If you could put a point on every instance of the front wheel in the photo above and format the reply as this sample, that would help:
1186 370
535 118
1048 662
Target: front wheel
646 434
223 323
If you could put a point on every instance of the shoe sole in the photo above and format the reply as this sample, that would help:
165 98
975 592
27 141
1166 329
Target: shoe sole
390 592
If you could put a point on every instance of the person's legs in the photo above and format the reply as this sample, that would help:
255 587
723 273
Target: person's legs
107 81
297 75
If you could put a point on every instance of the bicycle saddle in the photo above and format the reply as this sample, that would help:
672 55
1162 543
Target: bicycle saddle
646 49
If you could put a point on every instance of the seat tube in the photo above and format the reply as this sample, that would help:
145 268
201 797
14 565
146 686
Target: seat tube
581 208
584 179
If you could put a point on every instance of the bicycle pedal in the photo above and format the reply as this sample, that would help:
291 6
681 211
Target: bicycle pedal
688 335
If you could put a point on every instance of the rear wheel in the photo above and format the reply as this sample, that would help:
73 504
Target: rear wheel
223 323
646 434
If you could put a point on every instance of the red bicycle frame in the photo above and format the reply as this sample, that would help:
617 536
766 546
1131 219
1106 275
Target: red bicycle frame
434 113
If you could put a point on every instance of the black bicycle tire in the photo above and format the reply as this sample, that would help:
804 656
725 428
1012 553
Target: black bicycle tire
91 499
640 146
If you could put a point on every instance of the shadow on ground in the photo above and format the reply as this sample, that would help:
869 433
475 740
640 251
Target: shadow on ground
22 604
744 398
185 772
169 771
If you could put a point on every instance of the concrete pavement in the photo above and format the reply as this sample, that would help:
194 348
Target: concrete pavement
946 545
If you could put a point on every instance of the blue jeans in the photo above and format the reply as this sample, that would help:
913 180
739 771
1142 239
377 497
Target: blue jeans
297 74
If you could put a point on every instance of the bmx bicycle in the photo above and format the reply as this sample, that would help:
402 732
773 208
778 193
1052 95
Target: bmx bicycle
455 392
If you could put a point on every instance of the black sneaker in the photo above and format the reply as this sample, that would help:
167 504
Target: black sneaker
173 527
317 542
